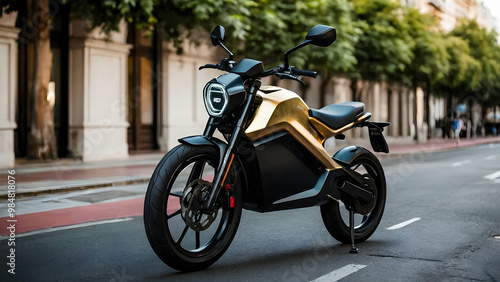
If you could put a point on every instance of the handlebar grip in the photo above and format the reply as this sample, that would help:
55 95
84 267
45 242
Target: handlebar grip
208 66
304 72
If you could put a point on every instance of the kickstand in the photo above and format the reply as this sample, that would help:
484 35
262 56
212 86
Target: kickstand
353 250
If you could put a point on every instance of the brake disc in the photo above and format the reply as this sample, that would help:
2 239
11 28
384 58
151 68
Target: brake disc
192 200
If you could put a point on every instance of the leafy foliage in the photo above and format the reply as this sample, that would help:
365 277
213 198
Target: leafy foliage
478 65
384 48
108 14
10 6
430 57
272 27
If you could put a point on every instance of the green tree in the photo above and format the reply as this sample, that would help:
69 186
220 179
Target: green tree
384 48
464 71
430 62
482 82
272 27
179 18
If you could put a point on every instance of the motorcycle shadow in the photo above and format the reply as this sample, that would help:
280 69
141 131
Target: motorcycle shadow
283 261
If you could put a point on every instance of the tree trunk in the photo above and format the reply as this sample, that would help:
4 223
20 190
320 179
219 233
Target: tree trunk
471 131
484 106
427 112
356 89
415 121
449 114
323 87
41 140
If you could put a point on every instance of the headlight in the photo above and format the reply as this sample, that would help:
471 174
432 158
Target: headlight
216 99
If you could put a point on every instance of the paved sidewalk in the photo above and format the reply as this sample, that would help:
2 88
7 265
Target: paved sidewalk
40 177
436 145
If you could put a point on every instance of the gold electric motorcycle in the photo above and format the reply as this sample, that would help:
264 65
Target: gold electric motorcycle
272 159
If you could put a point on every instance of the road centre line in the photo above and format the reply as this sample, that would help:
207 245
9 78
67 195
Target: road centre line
339 273
488 158
54 229
492 176
403 224
455 164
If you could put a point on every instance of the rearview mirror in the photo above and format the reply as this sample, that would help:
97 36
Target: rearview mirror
321 35
217 35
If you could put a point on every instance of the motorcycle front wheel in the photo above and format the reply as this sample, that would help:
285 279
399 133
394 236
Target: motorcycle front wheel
184 236
336 216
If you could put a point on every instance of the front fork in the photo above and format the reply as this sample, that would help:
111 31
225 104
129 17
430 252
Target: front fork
228 157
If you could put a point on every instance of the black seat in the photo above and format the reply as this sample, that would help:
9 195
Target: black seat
338 115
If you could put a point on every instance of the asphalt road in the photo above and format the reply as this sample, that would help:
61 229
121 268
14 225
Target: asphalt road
448 202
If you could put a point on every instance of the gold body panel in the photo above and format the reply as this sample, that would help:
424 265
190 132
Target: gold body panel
283 110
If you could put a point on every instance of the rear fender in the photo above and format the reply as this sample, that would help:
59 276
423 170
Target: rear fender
345 155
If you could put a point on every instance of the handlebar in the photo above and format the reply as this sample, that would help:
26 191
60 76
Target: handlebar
291 72
297 71
269 72
209 66
224 65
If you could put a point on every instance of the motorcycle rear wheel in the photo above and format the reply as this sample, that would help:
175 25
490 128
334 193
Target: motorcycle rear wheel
182 236
336 216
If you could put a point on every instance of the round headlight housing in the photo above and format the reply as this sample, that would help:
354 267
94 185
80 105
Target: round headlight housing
216 99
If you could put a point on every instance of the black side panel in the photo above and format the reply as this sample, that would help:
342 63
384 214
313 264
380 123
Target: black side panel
286 168
253 194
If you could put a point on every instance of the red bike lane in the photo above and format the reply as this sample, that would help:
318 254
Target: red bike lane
75 215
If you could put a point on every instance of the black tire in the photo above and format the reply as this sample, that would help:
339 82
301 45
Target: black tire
174 241
336 216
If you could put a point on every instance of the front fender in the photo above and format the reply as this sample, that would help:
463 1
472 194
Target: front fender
200 140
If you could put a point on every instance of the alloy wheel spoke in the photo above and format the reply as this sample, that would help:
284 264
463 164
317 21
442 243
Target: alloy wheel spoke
197 240
173 214
182 235
176 194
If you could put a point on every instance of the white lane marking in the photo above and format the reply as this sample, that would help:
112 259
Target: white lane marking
403 224
493 176
54 229
489 158
340 273
455 164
